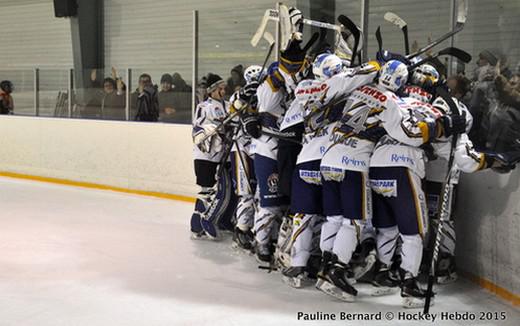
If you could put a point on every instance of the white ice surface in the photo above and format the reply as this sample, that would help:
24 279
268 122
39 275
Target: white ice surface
73 256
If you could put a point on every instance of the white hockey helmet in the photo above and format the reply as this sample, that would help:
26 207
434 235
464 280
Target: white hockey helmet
425 76
394 75
326 65
252 73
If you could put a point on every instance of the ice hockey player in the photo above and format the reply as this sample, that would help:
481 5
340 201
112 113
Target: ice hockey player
467 160
306 199
274 97
242 155
373 110
208 154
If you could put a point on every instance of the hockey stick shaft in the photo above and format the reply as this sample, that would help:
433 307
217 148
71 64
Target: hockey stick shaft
443 216
406 40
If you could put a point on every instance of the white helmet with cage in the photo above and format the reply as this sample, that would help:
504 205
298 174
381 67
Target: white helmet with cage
326 65
393 76
252 73
425 76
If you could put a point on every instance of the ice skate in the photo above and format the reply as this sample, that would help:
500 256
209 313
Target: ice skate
263 255
446 272
413 296
295 277
383 283
243 240
333 280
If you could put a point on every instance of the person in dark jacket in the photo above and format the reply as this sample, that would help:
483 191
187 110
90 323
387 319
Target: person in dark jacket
167 110
113 101
236 81
6 100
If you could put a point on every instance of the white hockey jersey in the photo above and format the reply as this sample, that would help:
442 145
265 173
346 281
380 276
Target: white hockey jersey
466 158
391 152
210 111
271 109
371 112
243 139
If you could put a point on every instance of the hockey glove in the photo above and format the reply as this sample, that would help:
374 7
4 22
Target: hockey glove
204 138
251 125
245 95
453 124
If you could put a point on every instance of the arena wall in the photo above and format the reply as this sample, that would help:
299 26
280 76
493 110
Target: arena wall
139 156
154 157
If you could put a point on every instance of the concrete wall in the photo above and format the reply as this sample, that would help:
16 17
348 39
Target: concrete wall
142 156
488 227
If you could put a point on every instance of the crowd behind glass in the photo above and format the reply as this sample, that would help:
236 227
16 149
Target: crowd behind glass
490 87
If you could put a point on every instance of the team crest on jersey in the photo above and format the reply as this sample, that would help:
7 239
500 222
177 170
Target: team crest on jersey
312 177
387 188
272 183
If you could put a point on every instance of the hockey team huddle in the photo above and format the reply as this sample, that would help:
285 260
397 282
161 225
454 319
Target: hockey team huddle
320 168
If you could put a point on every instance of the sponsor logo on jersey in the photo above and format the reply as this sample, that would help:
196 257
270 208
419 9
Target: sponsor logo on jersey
310 90
387 188
418 93
396 158
310 176
332 174
272 183
373 92
338 138
353 162
293 117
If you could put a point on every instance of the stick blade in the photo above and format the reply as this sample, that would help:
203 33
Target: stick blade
269 38
394 19
462 11
457 53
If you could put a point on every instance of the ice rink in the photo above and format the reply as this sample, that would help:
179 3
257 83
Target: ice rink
74 256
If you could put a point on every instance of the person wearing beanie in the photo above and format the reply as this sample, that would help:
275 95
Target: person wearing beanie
167 105
236 80
208 155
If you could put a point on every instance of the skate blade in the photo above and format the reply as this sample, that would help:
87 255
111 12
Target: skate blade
383 290
240 249
412 303
360 271
442 280
334 291
296 282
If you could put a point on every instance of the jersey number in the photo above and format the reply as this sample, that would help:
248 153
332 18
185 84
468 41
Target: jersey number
358 119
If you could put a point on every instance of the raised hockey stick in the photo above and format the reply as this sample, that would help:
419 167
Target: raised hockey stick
379 39
273 15
399 22
444 215
356 33
451 51
270 14
462 12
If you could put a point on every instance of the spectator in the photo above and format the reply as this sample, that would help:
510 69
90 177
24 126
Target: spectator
166 99
459 87
6 100
113 102
182 98
93 95
146 101
236 80
496 103
202 92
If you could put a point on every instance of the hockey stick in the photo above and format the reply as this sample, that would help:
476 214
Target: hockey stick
462 12
356 33
270 14
399 22
443 216
273 15
451 51
379 39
